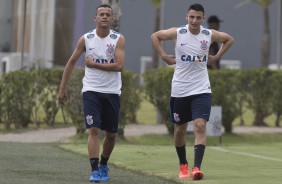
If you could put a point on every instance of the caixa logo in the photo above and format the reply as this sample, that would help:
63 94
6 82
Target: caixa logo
189 58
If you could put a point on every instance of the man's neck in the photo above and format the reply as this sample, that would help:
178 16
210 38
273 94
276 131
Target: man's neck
102 32
194 31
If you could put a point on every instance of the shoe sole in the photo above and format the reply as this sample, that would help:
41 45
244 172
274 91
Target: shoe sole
198 176
184 176
95 181
103 179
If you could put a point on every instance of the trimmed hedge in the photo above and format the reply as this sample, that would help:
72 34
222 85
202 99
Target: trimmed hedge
235 90
23 93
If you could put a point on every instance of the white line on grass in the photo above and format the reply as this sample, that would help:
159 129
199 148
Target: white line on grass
246 154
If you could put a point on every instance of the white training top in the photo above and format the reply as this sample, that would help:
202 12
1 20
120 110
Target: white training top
102 50
191 52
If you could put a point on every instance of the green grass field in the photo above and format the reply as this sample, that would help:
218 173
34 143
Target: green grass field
250 159
31 163
246 159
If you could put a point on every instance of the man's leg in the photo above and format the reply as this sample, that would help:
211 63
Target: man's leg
179 134
108 146
180 143
199 147
93 152
200 131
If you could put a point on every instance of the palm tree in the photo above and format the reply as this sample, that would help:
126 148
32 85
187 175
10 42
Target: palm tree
157 6
265 48
117 12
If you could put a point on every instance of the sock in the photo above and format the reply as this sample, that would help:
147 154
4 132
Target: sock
104 160
94 163
181 152
199 151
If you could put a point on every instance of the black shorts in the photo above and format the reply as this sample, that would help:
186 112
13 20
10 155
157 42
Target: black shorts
185 109
101 110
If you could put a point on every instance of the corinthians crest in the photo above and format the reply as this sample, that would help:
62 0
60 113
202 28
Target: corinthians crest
176 117
110 49
204 45
89 120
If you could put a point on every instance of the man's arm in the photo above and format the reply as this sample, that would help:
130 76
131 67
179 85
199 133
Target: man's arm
226 41
119 59
158 37
69 67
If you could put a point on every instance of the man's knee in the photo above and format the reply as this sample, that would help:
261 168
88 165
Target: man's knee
110 136
200 126
93 132
180 129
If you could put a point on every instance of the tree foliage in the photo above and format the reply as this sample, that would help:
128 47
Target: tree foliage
157 88
266 39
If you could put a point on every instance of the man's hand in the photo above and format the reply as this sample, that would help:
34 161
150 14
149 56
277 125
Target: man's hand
212 60
89 61
62 97
169 59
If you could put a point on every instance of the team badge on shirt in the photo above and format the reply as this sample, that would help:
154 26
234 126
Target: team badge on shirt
110 49
204 45
205 32
113 36
90 36
183 31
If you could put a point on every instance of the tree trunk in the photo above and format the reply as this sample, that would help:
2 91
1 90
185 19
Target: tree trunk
169 126
155 57
63 114
277 121
241 109
259 119
265 49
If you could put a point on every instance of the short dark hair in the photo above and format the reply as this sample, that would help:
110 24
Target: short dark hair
197 7
214 19
103 6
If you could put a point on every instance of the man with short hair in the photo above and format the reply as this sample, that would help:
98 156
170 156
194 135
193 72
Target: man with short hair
191 90
105 56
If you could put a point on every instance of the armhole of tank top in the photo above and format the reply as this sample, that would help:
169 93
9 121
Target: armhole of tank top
85 42
178 34
211 35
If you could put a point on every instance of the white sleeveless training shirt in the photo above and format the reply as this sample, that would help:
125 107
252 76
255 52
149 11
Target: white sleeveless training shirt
191 54
102 50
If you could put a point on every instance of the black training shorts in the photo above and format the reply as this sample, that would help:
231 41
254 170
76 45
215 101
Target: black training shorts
185 109
101 110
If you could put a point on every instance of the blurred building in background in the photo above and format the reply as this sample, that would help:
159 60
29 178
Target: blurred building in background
43 33
35 33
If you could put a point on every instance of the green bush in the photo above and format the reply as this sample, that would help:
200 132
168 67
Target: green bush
48 87
130 100
158 91
17 98
258 87
225 93
234 90
276 91
74 105
23 93
1 104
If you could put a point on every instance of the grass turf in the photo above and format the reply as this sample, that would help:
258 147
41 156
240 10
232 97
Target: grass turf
26 163
252 159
